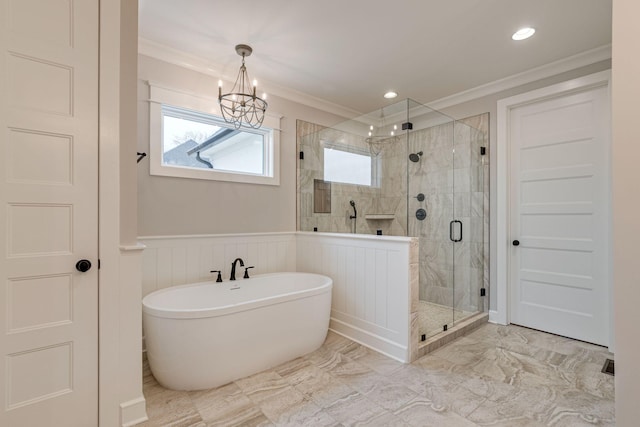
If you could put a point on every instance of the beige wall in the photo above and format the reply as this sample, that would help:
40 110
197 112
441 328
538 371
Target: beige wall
626 208
176 206
128 123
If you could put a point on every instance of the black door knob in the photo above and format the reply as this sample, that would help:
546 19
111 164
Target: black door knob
516 243
83 265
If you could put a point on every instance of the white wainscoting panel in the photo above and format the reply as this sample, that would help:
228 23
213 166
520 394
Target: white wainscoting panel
371 275
178 260
371 286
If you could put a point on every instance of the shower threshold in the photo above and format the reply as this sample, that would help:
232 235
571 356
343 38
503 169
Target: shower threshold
459 329
432 317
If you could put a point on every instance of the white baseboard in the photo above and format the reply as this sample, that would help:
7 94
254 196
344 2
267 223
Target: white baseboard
133 412
374 342
493 317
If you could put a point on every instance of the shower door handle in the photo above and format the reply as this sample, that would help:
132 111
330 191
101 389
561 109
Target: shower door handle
455 221
460 239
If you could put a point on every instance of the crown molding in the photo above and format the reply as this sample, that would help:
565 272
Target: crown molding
196 63
582 59
177 57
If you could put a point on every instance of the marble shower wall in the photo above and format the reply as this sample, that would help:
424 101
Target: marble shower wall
387 198
433 177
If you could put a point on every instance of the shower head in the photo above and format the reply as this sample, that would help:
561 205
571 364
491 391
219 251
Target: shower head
352 203
415 157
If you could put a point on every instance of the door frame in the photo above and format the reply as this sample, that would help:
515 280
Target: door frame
501 314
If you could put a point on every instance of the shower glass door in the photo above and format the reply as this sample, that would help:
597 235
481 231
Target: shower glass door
430 207
446 208
468 223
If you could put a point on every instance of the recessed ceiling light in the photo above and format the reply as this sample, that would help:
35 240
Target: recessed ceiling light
523 33
391 94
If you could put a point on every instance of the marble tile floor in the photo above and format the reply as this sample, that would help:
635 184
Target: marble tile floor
496 376
432 316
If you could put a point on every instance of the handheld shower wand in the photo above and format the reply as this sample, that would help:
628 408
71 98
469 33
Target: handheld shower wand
355 212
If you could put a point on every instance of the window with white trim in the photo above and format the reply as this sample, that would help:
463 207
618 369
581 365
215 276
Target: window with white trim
191 143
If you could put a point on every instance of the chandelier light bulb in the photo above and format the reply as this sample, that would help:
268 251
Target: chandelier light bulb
381 134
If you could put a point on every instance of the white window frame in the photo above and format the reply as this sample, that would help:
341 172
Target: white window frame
160 95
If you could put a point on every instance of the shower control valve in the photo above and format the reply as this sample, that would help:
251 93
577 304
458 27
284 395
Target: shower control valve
246 272
219 279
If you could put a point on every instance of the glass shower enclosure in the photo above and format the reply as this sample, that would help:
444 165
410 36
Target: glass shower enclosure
407 170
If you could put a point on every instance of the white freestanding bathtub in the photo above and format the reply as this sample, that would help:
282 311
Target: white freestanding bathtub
204 335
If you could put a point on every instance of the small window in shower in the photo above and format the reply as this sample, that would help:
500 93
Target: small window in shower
350 165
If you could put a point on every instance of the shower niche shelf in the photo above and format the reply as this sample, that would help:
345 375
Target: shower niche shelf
379 216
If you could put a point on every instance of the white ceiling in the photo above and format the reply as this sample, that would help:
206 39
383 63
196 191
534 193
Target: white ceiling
350 52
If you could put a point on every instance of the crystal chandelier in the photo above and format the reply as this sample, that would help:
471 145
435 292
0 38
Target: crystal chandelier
241 105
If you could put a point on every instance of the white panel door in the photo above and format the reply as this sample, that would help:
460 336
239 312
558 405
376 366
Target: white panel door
559 215
48 217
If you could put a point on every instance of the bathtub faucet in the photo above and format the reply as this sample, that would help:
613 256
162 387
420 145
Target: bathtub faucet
233 268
